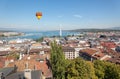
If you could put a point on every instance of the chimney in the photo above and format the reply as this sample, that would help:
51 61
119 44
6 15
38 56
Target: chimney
35 68
26 65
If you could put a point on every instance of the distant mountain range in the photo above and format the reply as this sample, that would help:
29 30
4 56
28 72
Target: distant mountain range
116 28
12 30
6 29
97 30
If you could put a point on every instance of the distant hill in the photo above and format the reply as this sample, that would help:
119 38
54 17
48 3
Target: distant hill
116 28
95 30
6 30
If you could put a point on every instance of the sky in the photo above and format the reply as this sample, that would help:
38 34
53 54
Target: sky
67 14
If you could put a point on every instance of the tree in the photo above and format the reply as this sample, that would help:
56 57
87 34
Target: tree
80 69
112 71
40 39
99 69
57 61
13 55
106 70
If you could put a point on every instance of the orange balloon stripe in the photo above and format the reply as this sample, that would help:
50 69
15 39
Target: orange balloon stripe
38 14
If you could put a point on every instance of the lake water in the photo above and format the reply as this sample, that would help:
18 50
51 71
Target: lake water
36 35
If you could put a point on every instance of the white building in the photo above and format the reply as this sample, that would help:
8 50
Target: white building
69 52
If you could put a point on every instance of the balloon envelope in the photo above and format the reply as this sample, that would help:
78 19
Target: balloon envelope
39 15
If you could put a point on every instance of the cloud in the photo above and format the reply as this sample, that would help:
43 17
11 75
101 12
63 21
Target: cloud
77 16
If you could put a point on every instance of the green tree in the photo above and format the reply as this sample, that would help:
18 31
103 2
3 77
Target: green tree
106 70
40 39
80 69
13 55
99 68
112 71
57 61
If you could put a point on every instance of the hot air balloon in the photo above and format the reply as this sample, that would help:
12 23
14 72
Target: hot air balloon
38 15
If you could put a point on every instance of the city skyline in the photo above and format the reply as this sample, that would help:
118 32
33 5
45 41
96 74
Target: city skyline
69 14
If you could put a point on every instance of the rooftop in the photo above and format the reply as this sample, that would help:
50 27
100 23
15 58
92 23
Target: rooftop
89 51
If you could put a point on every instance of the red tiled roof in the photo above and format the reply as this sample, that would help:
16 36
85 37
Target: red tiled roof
108 44
88 51
115 58
2 62
99 55
67 48
34 50
4 53
32 63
